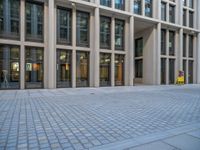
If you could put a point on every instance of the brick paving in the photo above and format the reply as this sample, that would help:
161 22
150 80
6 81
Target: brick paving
88 118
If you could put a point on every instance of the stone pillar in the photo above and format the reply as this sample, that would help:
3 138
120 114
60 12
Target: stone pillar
96 48
74 46
113 52
6 16
51 46
180 50
198 58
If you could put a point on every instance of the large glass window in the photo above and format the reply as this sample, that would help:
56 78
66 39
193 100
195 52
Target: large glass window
184 2
105 3
82 69
163 11
119 70
119 34
184 17
171 43
191 47
120 4
185 69
82 29
191 4
137 7
139 68
9 18
105 69
190 71
34 67
184 45
163 42
64 68
163 71
64 26
34 21
172 13
105 31
139 47
148 8
9 67
191 19
171 71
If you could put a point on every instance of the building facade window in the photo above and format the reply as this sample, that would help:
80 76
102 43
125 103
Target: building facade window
191 47
185 70
64 26
172 13
82 69
139 68
163 42
105 32
171 71
9 18
64 68
139 47
120 4
137 7
34 21
190 71
119 70
171 43
163 11
191 19
184 17
190 3
148 8
163 71
119 34
184 45
105 69
9 67
105 3
34 67
82 29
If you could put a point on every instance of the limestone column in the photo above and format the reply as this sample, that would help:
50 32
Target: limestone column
113 52
180 50
74 46
198 58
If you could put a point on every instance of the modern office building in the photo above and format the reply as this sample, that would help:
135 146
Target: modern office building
94 43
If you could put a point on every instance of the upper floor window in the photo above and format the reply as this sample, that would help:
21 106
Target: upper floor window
139 47
190 3
9 18
82 29
34 21
190 50
185 2
191 19
163 11
184 17
64 26
171 13
163 42
148 8
120 4
184 44
171 43
105 30
105 3
119 34
137 6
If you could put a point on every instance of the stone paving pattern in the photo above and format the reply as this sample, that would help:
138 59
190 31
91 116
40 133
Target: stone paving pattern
89 117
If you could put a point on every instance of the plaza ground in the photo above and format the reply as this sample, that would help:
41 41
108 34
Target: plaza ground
129 118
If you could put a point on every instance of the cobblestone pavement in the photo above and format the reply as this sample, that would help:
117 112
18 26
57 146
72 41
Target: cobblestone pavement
89 118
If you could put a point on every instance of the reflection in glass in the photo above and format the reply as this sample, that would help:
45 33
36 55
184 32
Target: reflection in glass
171 43
105 31
105 69
82 69
9 67
105 3
137 7
119 34
148 8
120 4
34 67
119 70
64 68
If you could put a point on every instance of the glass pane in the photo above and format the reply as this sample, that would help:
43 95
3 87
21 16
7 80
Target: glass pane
171 71
105 30
172 14
148 8
82 29
64 26
190 71
163 11
138 68
163 42
9 18
191 19
82 69
119 70
184 17
184 45
106 3
120 4
105 69
9 67
64 68
34 21
34 67
185 69
163 71
139 47
137 7
119 34
171 43
191 49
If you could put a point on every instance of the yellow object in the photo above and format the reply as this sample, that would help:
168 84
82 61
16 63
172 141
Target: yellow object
180 80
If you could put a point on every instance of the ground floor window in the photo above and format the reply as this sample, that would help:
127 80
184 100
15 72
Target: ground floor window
34 67
171 71
105 69
119 70
139 68
82 69
163 71
9 67
190 71
64 68
185 69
